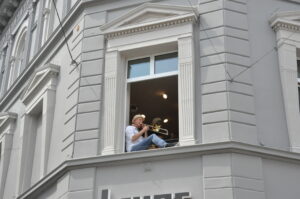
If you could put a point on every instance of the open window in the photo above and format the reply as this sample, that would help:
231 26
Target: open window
150 52
153 90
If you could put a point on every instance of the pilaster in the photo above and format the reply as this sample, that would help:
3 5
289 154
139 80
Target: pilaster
7 125
186 87
228 111
112 86
288 74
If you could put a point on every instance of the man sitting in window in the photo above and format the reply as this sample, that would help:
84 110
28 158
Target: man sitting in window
135 140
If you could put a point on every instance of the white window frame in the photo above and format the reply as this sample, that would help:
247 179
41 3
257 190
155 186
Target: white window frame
7 127
120 44
40 90
15 69
152 75
288 41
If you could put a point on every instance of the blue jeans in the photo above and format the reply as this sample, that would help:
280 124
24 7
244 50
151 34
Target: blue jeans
152 139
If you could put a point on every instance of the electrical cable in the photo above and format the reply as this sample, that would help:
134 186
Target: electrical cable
209 39
231 79
64 34
73 62
275 48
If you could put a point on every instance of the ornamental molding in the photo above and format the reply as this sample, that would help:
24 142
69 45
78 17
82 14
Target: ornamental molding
43 78
149 17
15 20
289 21
6 119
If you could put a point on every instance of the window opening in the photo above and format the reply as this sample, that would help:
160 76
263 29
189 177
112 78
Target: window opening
166 63
156 98
139 67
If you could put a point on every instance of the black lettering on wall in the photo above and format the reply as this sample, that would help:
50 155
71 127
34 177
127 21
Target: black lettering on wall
105 194
182 195
163 196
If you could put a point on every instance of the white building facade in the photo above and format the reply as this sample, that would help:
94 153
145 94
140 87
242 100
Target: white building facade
74 72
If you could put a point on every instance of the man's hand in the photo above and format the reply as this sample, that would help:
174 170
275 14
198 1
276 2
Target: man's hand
145 128
139 134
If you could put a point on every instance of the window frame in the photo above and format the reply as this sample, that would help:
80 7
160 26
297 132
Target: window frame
14 72
7 127
144 78
288 41
41 90
152 74
123 42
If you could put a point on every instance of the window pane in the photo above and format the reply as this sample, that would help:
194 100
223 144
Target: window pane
166 63
139 67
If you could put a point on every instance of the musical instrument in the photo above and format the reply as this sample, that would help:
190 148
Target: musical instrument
156 127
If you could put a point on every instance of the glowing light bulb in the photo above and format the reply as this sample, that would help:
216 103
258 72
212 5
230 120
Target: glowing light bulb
166 120
165 96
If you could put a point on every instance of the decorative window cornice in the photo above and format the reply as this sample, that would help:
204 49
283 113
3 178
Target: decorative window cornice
149 17
289 21
150 27
43 78
286 25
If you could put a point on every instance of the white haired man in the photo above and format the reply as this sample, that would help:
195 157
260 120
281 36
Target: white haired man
135 140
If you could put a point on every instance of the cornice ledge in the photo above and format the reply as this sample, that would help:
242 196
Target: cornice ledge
147 27
285 21
282 24
160 154
38 80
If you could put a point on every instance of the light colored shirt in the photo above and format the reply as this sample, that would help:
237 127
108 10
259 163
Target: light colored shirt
129 132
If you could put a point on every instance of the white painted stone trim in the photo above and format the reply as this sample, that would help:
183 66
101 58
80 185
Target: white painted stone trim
116 57
178 15
288 40
42 79
7 125
41 91
186 91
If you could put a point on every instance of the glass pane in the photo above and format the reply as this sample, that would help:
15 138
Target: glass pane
139 67
166 63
